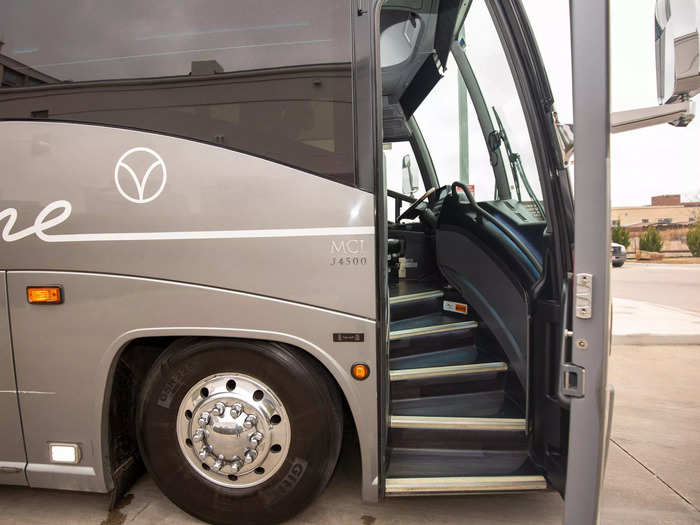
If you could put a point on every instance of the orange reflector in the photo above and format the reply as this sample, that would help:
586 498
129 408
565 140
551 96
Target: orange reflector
360 371
44 294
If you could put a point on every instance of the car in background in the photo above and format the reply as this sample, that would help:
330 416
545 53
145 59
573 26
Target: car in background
619 254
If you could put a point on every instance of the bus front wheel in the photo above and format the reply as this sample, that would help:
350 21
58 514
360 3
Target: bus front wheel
239 431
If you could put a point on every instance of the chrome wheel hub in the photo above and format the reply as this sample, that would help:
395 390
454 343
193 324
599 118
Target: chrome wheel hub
233 430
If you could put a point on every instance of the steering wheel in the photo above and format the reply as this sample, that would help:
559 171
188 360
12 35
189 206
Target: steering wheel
412 211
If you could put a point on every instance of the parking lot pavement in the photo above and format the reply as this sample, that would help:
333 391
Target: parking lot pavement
657 412
676 285
656 304
652 474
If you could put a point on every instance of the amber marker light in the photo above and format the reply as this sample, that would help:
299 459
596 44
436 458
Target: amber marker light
360 371
44 294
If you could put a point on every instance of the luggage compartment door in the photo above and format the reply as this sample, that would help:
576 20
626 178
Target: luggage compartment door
13 459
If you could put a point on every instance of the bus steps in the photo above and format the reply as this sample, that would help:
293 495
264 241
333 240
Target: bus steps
450 486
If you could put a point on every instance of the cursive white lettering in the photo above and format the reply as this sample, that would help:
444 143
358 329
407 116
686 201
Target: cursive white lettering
44 223
40 224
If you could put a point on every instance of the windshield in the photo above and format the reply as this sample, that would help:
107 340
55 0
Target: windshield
475 128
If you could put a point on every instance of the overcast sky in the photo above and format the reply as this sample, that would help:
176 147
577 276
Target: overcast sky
652 161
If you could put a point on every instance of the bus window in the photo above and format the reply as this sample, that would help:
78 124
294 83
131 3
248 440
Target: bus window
270 81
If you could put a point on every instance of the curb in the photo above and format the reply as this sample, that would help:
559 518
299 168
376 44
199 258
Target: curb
655 339
641 323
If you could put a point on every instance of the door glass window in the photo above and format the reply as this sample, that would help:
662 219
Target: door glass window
452 127
487 58
470 161
438 118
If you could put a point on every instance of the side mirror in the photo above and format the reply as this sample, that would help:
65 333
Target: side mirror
409 182
677 49
687 54
677 69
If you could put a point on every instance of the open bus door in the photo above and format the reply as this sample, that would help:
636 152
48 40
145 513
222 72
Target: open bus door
584 376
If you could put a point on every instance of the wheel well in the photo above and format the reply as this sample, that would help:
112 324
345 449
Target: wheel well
130 371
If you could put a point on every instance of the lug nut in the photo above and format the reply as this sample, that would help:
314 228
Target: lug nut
203 453
250 455
236 464
250 421
199 435
236 410
218 409
219 462
256 438
204 419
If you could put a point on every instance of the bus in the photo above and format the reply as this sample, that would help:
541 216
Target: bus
234 231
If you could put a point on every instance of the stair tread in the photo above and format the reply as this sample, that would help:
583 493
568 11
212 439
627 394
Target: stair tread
427 463
422 321
429 324
405 287
463 485
452 356
459 360
474 424
478 404
416 297
436 372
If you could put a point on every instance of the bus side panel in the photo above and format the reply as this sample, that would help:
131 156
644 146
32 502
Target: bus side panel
158 235
67 353
99 199
12 457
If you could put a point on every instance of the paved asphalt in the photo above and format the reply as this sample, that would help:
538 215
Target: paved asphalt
676 285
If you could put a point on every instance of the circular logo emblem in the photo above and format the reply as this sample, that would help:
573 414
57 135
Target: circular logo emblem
140 175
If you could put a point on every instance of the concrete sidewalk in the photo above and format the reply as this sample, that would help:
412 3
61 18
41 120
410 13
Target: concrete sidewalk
642 323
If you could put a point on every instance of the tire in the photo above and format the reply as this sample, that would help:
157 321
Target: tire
311 404
617 265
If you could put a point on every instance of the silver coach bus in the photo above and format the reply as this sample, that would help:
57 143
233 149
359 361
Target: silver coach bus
232 231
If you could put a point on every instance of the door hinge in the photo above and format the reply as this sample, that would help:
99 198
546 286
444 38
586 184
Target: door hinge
572 380
584 295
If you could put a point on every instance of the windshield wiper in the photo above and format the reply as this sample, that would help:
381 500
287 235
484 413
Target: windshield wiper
516 166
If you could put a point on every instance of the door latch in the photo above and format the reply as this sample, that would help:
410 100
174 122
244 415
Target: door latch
572 380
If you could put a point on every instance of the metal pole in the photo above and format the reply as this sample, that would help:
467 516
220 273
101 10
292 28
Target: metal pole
463 128
588 432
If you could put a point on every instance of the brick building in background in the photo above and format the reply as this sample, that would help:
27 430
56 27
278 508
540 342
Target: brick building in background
668 213
666 200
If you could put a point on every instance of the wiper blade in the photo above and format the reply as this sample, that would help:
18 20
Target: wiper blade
509 152
516 166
